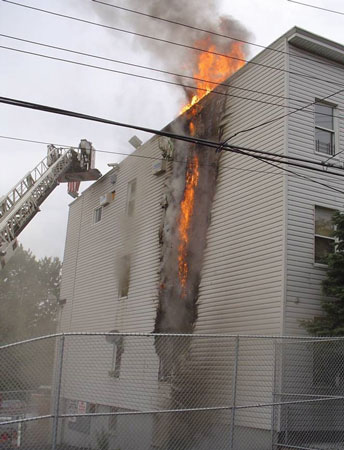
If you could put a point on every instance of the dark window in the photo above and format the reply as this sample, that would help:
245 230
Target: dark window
165 370
97 216
131 195
324 238
118 349
324 129
124 276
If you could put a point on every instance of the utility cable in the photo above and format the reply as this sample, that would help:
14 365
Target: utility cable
153 69
299 175
136 155
268 122
178 44
281 170
317 7
144 77
173 83
190 139
214 33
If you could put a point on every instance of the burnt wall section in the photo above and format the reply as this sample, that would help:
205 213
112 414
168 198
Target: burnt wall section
177 307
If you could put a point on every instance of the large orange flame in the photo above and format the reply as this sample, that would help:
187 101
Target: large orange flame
186 212
214 69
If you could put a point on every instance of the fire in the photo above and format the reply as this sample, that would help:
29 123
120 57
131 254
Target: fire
186 212
214 68
192 129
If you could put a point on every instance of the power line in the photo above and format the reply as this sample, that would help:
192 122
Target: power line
165 72
190 139
281 171
316 7
144 77
268 122
304 177
214 33
190 47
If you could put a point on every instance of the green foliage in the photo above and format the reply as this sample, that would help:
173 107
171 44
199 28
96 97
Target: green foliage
331 323
29 289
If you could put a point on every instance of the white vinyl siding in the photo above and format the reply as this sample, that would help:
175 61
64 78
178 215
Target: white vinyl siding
242 282
303 276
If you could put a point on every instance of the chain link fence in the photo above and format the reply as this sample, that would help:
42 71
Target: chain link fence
79 391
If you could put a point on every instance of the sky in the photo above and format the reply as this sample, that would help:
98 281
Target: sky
102 93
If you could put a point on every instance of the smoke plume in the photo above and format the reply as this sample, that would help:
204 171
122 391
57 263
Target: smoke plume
174 58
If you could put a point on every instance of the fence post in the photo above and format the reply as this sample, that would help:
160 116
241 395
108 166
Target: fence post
234 391
274 394
57 391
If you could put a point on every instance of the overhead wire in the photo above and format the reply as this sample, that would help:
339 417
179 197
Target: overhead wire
144 77
268 122
317 7
166 41
139 66
234 149
299 175
281 170
173 83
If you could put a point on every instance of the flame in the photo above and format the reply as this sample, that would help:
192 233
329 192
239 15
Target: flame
192 128
214 68
186 212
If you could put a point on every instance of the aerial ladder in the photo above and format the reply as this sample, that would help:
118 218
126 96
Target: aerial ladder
20 205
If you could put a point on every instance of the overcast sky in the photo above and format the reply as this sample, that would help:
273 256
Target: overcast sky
101 93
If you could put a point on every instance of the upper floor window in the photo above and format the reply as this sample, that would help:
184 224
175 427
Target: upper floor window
324 238
97 215
131 195
324 129
124 276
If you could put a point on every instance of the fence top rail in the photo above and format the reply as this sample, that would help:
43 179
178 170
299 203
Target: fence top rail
169 411
178 335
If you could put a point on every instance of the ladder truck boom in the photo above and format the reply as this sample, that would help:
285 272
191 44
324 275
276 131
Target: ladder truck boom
19 206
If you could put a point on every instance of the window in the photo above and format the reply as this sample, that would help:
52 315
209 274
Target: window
324 239
97 215
131 194
165 369
124 276
324 129
118 349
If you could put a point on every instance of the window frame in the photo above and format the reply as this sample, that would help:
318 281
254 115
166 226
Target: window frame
333 131
125 261
98 208
116 363
317 235
131 198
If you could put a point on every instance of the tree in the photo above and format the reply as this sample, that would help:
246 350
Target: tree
331 323
29 289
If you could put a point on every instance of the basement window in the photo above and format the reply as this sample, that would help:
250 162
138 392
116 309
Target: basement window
97 215
118 349
124 276
324 241
324 128
131 195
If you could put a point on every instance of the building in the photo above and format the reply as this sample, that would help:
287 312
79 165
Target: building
258 239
